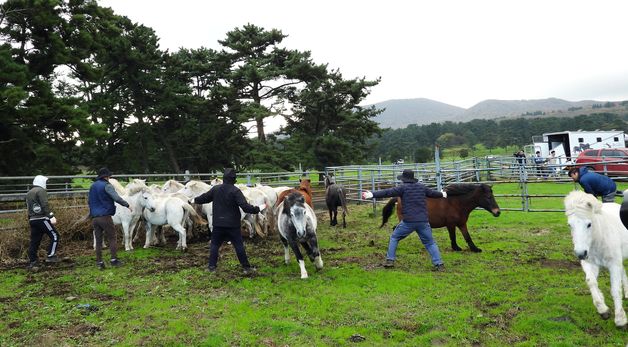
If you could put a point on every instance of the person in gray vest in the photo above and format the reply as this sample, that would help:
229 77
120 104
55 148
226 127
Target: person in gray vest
101 200
42 221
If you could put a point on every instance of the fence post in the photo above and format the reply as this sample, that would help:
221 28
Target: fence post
360 182
186 177
439 183
373 189
248 180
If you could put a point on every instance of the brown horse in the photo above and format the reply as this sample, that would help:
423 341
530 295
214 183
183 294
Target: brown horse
453 211
305 189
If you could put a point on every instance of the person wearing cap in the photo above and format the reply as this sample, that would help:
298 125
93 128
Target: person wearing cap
101 200
415 217
227 200
594 183
42 221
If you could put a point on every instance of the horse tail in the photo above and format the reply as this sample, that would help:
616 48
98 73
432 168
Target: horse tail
343 200
197 219
387 211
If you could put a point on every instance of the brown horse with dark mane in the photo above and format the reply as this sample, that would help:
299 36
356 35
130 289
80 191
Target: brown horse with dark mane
305 189
453 211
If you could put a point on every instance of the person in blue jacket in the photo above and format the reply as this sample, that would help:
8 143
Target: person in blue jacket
594 183
415 217
101 200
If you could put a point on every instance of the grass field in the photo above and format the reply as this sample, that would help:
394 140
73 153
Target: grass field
526 289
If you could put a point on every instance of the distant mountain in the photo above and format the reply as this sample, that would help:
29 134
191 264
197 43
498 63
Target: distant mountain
401 113
509 108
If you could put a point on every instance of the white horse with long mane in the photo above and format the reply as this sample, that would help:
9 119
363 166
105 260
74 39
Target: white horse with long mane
162 209
600 240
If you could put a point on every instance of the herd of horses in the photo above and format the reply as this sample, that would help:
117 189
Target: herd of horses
599 230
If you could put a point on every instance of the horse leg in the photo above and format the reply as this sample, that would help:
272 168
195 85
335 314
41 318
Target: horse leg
286 249
331 217
149 234
624 282
452 237
615 271
297 253
311 246
344 222
467 237
182 243
127 236
591 272
335 215
162 235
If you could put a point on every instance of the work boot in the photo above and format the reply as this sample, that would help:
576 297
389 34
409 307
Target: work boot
211 269
101 265
53 259
33 266
389 263
248 271
115 262
439 268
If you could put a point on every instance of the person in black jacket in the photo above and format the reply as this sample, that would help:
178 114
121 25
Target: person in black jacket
227 200
41 221
101 200
415 217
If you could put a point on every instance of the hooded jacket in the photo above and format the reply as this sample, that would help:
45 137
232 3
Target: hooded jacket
594 183
227 200
37 200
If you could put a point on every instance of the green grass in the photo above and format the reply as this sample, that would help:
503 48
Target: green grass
524 289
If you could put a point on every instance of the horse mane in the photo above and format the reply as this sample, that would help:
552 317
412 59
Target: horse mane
581 203
117 186
462 188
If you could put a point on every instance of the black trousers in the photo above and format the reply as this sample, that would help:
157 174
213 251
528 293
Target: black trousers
222 234
39 227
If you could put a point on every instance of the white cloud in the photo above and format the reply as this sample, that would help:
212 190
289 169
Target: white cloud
457 52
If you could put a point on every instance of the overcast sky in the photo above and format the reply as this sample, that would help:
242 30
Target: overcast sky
456 52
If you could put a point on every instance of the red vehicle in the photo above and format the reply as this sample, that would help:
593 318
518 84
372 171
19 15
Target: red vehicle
612 161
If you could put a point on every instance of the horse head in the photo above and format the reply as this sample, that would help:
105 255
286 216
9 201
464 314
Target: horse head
581 210
148 201
294 207
487 200
478 194
136 185
329 180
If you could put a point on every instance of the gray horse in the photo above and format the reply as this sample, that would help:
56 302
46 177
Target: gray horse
297 225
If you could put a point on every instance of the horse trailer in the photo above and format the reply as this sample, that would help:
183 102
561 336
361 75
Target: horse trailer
568 144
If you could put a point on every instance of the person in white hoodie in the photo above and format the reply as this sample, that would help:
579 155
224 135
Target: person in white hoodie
41 221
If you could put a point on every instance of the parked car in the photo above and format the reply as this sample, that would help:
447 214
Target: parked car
613 161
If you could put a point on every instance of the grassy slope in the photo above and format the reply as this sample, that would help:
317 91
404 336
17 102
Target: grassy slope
524 289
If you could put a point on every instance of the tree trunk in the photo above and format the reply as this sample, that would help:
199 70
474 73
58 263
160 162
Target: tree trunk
260 129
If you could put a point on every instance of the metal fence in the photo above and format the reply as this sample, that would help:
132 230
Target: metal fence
491 170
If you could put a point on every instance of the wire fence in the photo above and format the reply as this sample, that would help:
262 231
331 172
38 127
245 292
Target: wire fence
517 177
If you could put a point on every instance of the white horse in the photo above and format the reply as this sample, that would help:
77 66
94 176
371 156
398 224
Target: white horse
171 186
257 223
600 240
297 225
128 219
193 189
161 210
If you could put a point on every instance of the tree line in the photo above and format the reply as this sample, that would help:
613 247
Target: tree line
417 142
83 87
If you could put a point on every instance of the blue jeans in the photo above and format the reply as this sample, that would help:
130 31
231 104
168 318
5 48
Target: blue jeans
424 230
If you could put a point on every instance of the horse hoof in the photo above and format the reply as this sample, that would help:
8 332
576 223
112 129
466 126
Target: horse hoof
476 250
456 248
606 315
303 277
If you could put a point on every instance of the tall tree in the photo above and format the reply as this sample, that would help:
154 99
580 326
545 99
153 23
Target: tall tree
262 72
328 123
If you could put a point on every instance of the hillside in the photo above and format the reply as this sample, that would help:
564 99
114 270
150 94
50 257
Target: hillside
400 113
